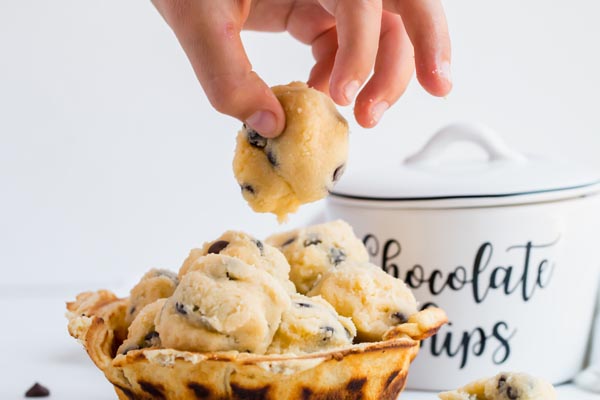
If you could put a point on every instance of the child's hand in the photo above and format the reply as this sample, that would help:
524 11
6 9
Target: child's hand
349 39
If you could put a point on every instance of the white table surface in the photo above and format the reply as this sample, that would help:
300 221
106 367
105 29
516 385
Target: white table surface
38 348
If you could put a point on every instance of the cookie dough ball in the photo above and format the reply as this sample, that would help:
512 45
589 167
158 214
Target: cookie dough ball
303 163
312 251
375 300
311 324
155 284
504 386
248 249
142 331
223 304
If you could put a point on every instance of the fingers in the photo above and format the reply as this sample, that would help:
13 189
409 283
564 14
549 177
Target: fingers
209 34
358 25
394 67
324 48
427 28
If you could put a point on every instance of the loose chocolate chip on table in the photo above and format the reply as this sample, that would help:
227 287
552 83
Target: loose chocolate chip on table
272 159
400 317
255 139
336 255
339 171
180 308
217 246
247 188
312 240
37 390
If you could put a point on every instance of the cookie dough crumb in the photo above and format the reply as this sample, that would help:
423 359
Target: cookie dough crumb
314 250
504 386
303 163
155 284
375 300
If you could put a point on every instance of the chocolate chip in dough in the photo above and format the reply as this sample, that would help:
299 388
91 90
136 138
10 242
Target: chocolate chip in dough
312 240
303 305
248 188
336 255
180 308
327 332
260 246
512 393
288 242
272 159
255 139
37 390
217 246
400 317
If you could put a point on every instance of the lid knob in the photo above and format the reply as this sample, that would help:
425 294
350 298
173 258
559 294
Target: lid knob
478 134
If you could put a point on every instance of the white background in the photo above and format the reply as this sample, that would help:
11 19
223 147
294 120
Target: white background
112 161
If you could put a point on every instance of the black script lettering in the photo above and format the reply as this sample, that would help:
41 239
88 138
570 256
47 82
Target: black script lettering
482 260
502 352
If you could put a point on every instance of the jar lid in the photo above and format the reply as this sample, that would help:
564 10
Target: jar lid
506 175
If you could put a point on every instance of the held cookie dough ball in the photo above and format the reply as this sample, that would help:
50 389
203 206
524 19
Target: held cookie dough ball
303 163
309 325
312 251
223 304
155 284
142 331
504 386
248 249
375 300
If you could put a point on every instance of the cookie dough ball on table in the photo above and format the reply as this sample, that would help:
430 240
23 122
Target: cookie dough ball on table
248 249
155 284
310 325
314 250
504 386
142 331
375 300
303 163
223 304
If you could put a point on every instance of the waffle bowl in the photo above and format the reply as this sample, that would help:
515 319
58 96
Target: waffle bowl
376 370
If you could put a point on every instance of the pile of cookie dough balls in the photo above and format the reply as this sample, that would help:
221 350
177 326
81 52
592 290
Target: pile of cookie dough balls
303 163
303 291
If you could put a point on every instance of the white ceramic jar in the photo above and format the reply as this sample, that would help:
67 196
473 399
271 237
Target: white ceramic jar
508 247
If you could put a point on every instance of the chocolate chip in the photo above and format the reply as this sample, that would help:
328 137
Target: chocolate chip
37 390
151 335
288 242
339 171
255 139
260 246
312 240
272 159
512 393
132 310
327 332
501 381
400 317
303 305
336 255
230 277
217 246
195 308
180 308
248 188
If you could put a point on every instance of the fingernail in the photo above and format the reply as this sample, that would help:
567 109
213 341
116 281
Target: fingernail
263 122
444 71
351 89
377 111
